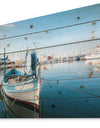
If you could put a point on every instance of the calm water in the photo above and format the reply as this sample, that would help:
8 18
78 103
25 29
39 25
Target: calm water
70 89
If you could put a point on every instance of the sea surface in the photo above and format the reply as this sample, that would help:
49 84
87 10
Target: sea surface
67 90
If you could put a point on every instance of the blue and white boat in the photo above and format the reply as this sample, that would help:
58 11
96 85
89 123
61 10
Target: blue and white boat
23 86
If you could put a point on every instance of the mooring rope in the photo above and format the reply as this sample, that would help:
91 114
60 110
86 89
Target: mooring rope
71 88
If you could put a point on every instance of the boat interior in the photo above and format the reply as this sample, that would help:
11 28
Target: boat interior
17 79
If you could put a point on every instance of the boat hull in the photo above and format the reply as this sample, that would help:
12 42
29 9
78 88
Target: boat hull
26 93
20 109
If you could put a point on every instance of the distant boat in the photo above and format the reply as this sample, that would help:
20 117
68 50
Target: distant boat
2 59
76 58
23 87
93 56
7 61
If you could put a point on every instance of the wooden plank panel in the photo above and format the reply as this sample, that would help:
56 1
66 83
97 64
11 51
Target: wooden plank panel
66 18
78 33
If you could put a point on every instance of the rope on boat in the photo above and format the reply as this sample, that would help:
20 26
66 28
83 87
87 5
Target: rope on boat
42 99
82 78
